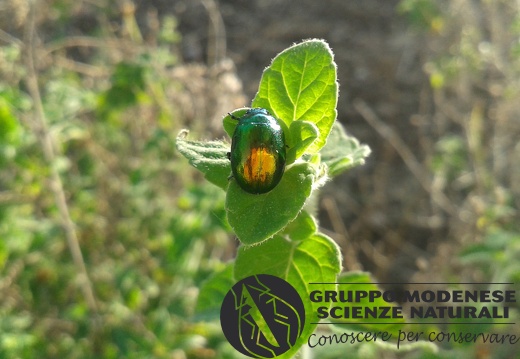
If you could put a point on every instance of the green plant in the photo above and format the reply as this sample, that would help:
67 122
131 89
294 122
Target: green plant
278 231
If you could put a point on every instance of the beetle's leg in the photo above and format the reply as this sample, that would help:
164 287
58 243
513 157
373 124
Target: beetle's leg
229 158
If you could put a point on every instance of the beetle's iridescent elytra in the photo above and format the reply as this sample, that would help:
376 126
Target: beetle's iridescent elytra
257 151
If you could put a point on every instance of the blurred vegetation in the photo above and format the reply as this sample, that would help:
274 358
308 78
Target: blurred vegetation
473 65
150 231
89 110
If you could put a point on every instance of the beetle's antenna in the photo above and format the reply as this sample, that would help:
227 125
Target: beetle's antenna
233 116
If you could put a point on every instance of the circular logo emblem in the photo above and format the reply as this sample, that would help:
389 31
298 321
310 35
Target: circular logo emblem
262 316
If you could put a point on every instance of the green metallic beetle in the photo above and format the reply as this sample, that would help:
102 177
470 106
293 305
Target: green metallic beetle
257 151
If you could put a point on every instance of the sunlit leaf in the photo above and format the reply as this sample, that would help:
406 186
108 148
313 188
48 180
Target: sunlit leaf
316 259
300 84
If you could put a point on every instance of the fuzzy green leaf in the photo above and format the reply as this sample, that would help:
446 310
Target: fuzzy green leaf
342 151
257 217
302 227
303 134
300 84
316 259
212 293
208 157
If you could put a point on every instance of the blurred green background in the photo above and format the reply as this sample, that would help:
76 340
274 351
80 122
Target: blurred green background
107 234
